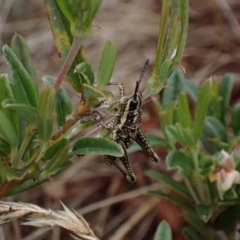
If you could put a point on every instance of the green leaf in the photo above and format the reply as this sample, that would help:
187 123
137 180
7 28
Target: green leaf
214 108
5 147
191 89
63 104
28 184
214 135
235 119
91 91
96 145
85 70
6 92
153 141
20 48
106 66
185 135
225 91
27 111
183 111
178 160
7 131
205 212
181 9
46 107
80 14
174 87
3 171
201 107
163 232
170 182
195 222
57 160
175 200
190 234
22 85
52 149
63 39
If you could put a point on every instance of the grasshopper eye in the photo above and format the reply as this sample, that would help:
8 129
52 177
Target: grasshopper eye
133 104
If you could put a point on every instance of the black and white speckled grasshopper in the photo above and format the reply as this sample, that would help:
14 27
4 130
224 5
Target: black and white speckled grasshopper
125 128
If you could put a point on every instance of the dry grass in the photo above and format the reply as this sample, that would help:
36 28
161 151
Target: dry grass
213 47
33 215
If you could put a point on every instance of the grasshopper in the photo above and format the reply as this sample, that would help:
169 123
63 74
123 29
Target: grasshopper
125 128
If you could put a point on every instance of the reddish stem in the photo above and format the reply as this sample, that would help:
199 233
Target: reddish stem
4 188
68 62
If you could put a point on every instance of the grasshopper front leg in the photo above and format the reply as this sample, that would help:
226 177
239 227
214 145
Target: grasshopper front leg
144 144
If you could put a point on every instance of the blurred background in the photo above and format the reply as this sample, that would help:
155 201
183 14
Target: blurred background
115 208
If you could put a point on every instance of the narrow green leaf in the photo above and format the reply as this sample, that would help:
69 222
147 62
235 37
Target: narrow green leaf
166 6
20 48
28 184
68 7
174 87
183 111
195 222
6 92
91 91
57 160
22 85
185 135
27 111
63 104
225 91
191 89
181 9
205 212
152 139
7 131
46 107
175 200
96 145
190 234
52 149
178 160
3 171
173 37
213 135
85 70
163 231
201 107
107 62
170 182
5 147
235 119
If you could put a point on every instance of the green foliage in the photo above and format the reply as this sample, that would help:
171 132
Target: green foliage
39 132
209 172
163 232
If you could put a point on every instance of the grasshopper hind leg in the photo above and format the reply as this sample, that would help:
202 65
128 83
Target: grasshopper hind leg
112 161
144 144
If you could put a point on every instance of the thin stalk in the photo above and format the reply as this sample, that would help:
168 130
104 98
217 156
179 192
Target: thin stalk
77 42
190 189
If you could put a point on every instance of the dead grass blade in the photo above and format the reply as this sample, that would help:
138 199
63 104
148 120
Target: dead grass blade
36 216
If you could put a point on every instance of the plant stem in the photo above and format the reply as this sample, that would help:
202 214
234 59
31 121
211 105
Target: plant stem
77 42
193 194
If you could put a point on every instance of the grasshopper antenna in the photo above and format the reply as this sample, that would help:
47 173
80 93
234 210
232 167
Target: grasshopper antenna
140 79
